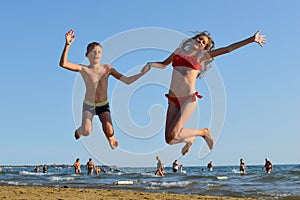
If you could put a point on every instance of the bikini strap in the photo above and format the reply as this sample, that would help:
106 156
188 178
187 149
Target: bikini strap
197 95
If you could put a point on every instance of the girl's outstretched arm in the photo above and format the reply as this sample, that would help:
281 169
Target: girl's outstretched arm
260 39
162 64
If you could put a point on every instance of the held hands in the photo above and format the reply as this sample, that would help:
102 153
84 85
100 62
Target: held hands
260 39
70 37
146 68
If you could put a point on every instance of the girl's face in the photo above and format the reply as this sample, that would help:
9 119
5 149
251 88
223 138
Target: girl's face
95 54
203 41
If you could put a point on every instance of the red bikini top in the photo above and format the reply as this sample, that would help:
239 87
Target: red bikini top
186 61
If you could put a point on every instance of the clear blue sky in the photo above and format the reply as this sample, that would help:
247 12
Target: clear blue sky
39 99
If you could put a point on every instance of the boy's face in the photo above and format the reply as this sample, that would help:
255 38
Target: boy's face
95 54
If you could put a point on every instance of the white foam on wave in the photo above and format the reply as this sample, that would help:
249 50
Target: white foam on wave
35 173
235 171
58 178
75 175
171 184
31 173
14 183
149 174
152 188
115 173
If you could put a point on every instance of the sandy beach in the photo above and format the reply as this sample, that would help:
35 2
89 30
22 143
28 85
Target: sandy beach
32 193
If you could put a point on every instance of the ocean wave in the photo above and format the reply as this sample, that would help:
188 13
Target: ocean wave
115 173
274 195
172 184
270 178
295 173
282 183
31 173
149 174
152 188
235 171
35 173
58 178
14 183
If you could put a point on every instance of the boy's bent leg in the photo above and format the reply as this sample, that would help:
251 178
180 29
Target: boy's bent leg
86 125
108 130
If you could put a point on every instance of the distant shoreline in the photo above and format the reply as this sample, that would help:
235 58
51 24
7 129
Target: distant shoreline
66 193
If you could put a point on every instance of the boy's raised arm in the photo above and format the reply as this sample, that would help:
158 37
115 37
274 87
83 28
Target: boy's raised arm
70 37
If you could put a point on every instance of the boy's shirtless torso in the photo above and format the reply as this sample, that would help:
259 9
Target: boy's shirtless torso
96 82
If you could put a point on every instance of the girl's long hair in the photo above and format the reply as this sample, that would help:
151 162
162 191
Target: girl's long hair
203 57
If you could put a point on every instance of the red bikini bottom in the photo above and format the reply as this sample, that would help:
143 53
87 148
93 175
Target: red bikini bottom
181 100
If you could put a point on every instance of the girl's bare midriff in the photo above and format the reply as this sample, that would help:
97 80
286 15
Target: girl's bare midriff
183 82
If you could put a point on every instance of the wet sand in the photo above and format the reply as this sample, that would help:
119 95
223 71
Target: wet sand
33 193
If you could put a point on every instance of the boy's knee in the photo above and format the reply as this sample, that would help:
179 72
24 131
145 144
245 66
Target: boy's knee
86 131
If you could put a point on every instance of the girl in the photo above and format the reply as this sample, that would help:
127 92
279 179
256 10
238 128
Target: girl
190 61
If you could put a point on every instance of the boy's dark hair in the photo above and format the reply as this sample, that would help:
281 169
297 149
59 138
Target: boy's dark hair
91 45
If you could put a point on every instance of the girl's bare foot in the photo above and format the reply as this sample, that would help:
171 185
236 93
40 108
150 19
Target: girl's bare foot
187 146
208 138
113 142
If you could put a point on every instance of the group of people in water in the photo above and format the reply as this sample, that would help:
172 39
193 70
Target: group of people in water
160 169
268 166
45 168
90 167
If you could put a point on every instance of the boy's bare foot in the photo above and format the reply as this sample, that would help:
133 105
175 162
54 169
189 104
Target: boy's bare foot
77 135
113 142
187 146
209 138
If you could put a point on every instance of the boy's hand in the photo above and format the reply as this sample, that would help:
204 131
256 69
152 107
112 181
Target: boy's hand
146 68
70 37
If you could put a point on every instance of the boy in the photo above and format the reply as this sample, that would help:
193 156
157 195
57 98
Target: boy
95 77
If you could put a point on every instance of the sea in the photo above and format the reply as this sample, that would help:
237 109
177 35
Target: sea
282 183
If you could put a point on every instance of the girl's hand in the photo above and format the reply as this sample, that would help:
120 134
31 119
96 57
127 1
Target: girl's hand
70 37
260 39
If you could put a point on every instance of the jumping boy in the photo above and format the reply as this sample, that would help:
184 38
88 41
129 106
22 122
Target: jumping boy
95 77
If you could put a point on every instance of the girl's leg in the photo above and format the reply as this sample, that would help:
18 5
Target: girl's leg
108 129
86 125
176 118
